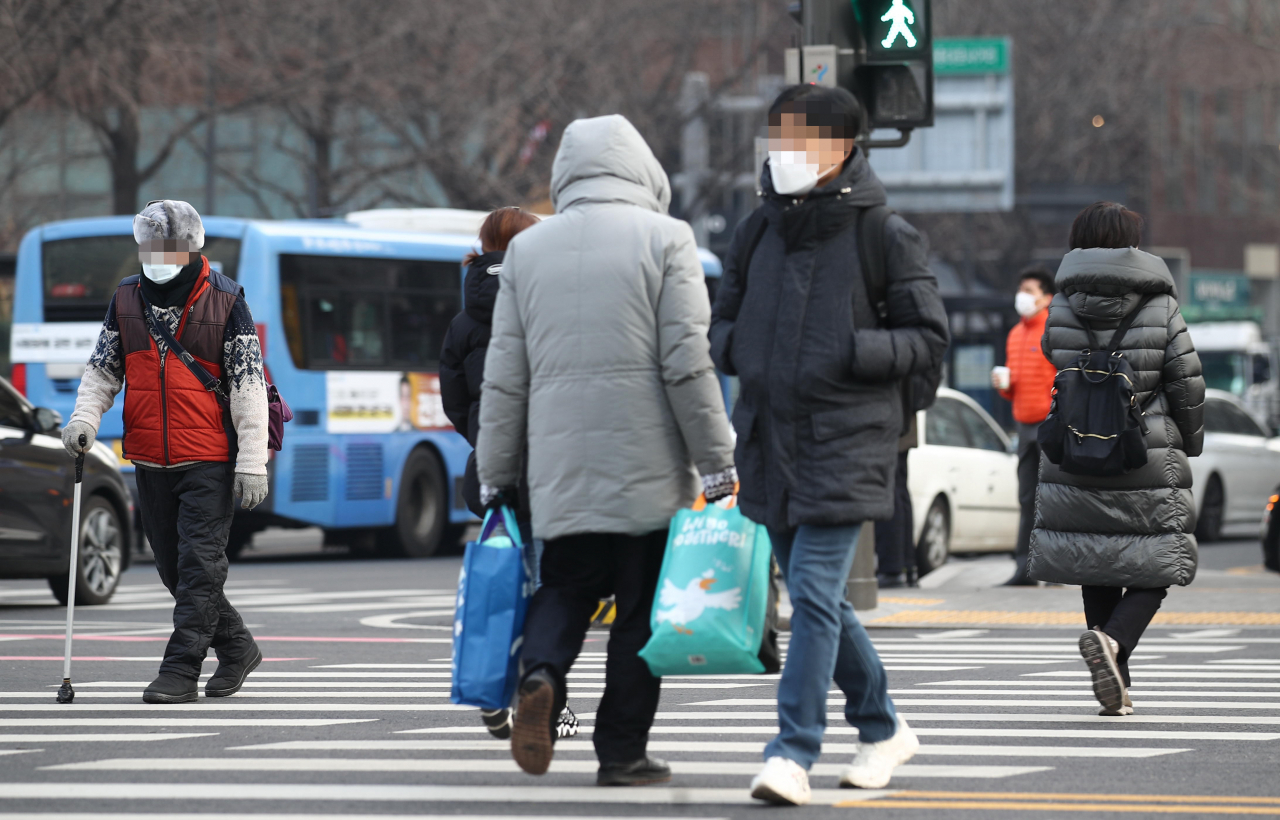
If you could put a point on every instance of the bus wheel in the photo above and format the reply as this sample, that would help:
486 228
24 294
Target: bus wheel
422 511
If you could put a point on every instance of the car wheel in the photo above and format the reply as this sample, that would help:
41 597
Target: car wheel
422 510
102 556
935 540
1209 526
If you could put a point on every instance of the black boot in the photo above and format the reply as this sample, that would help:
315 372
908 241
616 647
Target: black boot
229 677
170 687
640 772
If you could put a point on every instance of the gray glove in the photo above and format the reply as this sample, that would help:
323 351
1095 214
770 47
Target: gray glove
252 489
71 437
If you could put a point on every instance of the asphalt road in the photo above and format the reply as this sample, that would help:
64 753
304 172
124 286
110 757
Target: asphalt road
349 715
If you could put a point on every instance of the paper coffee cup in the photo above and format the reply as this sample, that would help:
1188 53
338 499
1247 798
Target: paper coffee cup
1001 375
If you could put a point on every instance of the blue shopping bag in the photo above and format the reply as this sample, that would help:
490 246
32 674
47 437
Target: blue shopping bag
709 610
488 626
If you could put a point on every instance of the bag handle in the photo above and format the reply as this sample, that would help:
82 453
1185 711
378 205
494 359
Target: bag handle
203 376
507 519
700 503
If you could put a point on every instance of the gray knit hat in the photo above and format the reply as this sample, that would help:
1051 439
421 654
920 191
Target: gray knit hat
169 219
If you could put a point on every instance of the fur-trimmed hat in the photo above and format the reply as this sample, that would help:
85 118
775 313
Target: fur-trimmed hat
169 219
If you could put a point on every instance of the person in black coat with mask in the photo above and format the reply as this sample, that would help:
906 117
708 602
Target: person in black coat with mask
461 375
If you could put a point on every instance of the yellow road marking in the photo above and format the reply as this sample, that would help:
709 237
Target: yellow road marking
1124 798
1014 618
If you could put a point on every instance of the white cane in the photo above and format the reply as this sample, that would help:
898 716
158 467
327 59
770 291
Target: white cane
66 694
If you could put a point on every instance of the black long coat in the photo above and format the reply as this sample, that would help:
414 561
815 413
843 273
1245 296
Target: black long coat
462 361
820 408
1135 529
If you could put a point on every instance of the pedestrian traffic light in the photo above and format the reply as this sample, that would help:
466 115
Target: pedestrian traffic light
894 79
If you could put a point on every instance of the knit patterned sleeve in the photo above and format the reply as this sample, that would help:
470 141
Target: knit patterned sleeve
242 369
103 374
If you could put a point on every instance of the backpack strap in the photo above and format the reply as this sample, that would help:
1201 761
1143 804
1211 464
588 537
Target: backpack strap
203 376
1126 323
756 225
871 257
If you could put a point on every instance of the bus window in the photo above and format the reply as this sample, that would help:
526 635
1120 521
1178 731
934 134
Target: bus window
80 275
345 312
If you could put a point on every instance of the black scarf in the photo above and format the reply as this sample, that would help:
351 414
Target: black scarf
173 293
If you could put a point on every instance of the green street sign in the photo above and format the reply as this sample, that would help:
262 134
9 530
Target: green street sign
979 55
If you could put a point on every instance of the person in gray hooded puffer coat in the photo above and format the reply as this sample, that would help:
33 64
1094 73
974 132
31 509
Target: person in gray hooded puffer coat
599 361
1125 539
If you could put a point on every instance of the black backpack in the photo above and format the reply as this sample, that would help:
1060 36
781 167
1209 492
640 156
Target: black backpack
919 390
1095 426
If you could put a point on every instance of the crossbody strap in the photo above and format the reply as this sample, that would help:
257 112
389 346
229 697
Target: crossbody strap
203 376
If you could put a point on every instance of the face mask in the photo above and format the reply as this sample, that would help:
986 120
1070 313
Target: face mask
160 273
1025 304
792 174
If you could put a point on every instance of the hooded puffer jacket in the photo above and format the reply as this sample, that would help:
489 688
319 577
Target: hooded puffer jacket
820 412
1134 529
599 355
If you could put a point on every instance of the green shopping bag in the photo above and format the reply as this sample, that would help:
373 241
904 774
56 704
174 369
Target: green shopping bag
709 610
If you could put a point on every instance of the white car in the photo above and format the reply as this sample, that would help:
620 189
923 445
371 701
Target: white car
1238 471
963 481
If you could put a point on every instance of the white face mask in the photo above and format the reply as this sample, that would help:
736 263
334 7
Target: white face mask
792 174
1025 304
160 273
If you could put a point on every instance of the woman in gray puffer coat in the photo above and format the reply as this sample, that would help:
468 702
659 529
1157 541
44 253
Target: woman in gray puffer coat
1125 539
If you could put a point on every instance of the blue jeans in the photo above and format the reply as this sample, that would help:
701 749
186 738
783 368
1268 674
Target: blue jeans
826 641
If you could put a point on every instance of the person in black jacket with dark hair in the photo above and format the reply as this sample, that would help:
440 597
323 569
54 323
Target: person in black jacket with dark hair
461 376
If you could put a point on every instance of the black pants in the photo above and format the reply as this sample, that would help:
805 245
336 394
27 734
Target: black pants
577 571
895 551
1122 614
186 515
1028 481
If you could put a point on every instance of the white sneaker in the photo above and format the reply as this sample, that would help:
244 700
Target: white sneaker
874 764
781 781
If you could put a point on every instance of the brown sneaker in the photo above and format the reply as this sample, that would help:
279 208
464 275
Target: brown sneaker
532 736
1100 657
1126 709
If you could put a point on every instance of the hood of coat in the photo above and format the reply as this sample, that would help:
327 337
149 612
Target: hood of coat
827 210
604 159
480 288
1108 283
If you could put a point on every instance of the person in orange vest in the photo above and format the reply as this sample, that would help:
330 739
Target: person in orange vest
1026 379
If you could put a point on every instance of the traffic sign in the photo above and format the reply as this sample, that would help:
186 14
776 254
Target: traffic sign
983 55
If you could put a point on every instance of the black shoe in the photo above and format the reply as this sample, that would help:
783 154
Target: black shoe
498 722
170 687
229 677
534 731
640 772
891 581
1020 581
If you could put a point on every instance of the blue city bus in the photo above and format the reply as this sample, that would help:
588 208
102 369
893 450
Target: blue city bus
351 322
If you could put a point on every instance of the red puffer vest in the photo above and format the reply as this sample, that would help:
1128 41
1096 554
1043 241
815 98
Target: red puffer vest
169 417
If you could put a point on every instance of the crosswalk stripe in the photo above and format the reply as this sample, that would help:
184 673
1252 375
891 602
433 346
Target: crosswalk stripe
703 747
1133 690
1150 674
1139 686
204 706
1139 734
14 723
222 815
395 792
982 717
560 765
103 738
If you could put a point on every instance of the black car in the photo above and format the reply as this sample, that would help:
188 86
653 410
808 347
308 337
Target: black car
37 479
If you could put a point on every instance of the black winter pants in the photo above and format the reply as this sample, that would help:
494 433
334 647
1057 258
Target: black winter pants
578 571
1028 482
895 551
186 515
1122 614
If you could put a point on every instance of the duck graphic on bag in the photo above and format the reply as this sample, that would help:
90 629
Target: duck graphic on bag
680 607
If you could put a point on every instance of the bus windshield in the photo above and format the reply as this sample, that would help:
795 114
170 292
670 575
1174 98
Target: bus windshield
1223 370
80 275
359 313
